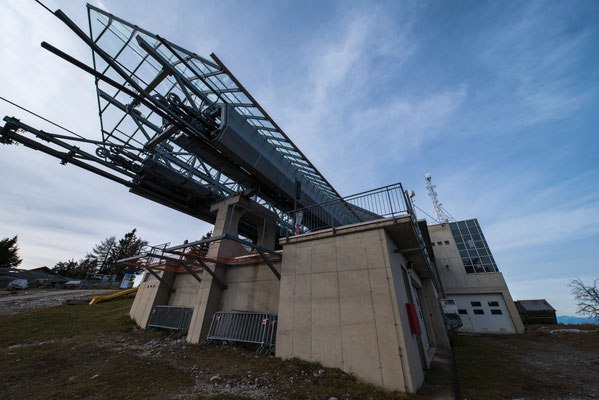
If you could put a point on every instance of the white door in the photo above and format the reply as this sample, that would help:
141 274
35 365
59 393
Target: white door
424 335
484 313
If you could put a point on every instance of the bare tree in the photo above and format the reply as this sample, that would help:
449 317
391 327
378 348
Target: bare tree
587 297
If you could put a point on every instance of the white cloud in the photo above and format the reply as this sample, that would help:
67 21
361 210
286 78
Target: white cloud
533 62
544 227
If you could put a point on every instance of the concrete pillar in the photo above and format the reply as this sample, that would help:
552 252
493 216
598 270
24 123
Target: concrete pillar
229 214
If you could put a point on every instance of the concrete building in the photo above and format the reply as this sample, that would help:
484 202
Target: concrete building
470 279
361 297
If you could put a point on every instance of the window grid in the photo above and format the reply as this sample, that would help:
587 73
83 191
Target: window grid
472 246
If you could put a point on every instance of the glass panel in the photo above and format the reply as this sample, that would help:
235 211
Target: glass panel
496 312
462 311
471 223
461 246
479 244
488 268
462 224
465 232
479 312
475 304
479 269
493 304
472 253
470 243
464 253
458 239
485 260
447 242
469 269
476 236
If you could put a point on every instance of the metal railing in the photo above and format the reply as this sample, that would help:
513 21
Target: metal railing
245 326
384 202
170 317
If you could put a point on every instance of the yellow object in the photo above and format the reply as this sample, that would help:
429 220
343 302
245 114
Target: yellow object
98 299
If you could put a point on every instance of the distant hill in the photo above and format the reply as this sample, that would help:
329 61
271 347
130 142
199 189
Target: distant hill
576 320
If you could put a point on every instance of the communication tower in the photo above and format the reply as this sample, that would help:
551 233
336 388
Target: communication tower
440 214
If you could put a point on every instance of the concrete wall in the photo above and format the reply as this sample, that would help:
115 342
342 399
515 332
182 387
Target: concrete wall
149 294
342 304
455 280
252 288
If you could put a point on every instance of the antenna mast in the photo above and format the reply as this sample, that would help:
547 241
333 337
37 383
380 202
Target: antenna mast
441 217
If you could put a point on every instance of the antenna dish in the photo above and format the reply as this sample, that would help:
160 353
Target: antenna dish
428 176
410 193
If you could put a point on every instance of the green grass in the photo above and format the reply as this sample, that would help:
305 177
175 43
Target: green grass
62 342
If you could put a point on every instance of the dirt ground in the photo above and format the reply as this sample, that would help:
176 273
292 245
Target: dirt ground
96 352
546 362
16 301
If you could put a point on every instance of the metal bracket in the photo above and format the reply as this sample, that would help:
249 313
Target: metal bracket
200 260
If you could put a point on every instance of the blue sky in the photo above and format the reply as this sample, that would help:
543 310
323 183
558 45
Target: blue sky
497 100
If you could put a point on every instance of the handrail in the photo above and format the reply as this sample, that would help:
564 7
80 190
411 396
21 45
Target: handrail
383 202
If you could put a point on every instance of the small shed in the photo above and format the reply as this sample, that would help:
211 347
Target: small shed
536 311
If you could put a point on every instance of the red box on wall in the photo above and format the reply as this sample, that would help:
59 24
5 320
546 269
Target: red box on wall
413 317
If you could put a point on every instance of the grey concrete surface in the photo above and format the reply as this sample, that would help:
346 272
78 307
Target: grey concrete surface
33 299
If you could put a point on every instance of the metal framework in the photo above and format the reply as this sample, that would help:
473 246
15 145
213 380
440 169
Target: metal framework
177 128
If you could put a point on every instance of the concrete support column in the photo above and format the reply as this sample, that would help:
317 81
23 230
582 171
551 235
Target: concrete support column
149 294
229 214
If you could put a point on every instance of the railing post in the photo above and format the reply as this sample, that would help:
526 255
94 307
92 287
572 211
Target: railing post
390 204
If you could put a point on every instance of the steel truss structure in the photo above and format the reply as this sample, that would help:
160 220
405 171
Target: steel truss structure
179 129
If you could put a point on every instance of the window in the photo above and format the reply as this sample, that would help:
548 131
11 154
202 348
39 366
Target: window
475 304
450 301
473 248
496 312
439 244
462 311
493 304
433 243
479 312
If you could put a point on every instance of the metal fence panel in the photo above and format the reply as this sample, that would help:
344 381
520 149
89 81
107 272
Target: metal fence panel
169 317
245 326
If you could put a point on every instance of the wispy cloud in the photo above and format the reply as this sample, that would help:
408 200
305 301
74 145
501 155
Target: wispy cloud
533 60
